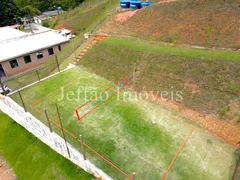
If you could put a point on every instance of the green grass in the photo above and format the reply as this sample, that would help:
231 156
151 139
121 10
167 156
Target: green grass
208 79
122 131
144 46
82 17
30 158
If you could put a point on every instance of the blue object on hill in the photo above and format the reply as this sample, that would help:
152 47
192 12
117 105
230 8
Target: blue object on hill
124 4
144 4
135 4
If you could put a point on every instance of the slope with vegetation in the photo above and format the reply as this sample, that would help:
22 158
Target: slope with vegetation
45 5
208 79
194 22
86 14
11 11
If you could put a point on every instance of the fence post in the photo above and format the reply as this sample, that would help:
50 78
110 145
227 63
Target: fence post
49 123
83 149
62 130
74 49
24 107
38 76
134 69
4 92
133 176
57 63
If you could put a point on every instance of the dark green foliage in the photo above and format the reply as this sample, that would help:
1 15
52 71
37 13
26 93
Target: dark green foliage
50 23
47 5
9 13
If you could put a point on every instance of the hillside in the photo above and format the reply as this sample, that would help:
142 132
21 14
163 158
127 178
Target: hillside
208 79
87 14
213 23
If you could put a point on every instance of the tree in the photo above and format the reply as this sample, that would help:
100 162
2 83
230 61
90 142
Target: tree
49 23
9 13
30 11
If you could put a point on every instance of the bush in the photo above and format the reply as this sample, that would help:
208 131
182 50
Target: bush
49 23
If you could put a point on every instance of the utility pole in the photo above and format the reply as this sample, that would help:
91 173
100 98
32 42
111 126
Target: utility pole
49 123
24 107
74 50
83 149
134 69
62 130
57 63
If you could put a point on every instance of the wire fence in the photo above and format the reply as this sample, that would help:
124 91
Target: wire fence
52 139
51 66
36 75
98 155
55 125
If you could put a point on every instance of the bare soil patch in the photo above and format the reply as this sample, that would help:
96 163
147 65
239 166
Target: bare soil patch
6 172
201 23
124 16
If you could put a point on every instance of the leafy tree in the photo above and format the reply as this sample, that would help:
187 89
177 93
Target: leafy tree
45 5
49 23
9 13
30 11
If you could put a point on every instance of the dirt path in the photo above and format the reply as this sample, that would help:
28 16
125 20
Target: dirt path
124 16
94 41
6 172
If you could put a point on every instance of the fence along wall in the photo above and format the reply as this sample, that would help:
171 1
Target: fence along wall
42 132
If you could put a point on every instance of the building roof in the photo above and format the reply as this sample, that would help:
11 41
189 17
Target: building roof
9 33
42 17
28 43
39 29
53 13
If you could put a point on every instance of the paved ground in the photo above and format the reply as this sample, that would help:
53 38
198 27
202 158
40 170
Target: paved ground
6 172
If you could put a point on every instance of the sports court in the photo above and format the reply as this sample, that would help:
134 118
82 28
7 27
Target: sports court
119 134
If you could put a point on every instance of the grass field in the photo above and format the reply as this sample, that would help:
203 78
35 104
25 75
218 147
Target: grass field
30 158
122 131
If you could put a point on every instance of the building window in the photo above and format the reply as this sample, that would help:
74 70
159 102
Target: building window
27 59
39 55
50 51
13 63
59 47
